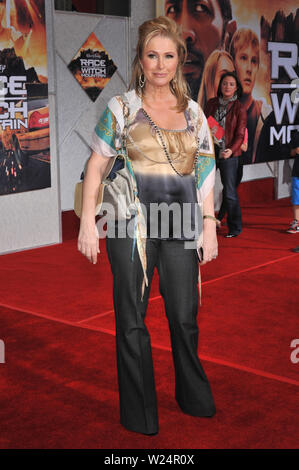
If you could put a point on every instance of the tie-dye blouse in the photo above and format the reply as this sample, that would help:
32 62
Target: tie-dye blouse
152 177
163 193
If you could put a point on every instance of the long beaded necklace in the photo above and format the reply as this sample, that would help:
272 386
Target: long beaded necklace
158 131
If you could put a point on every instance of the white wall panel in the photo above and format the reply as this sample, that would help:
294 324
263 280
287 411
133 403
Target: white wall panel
71 99
112 32
258 171
93 110
71 31
74 152
283 184
77 115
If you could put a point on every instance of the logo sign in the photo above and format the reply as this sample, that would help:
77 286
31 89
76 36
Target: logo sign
92 67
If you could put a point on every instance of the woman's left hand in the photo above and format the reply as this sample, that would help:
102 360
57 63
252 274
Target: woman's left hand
210 244
226 153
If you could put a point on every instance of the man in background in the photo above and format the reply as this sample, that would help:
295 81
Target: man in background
206 25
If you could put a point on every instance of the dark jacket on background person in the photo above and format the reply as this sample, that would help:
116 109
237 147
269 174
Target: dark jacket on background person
235 123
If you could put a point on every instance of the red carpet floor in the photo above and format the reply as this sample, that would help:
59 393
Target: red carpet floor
58 387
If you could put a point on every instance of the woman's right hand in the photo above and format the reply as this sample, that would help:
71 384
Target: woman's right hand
88 242
88 239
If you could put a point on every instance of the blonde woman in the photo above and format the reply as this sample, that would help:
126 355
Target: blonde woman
169 160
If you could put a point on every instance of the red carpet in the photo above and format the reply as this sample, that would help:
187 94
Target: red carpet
58 386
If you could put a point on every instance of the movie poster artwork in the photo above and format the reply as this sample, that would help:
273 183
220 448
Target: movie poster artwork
24 105
92 67
259 40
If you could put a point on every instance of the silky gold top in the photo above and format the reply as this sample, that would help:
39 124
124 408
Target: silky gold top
145 148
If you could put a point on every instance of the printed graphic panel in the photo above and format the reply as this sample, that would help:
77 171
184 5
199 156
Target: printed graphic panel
258 39
92 67
24 105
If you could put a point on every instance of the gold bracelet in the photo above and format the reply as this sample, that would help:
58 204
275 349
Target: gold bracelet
210 217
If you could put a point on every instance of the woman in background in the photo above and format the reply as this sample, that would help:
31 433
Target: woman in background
230 114
218 63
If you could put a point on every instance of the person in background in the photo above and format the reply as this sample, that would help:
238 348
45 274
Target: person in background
170 158
218 63
230 114
294 226
206 26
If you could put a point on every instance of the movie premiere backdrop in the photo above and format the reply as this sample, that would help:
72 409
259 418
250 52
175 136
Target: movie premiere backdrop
24 110
258 39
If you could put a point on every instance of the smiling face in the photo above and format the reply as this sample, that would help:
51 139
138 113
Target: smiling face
159 61
228 87
247 63
202 28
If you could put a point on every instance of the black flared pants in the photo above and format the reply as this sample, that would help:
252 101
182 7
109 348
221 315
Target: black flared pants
178 274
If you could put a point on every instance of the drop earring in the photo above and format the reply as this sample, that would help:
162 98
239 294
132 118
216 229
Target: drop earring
141 81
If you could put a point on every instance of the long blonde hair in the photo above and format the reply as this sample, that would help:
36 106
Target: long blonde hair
165 27
209 75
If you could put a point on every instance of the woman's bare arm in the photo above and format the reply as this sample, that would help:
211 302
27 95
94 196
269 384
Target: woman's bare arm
88 243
